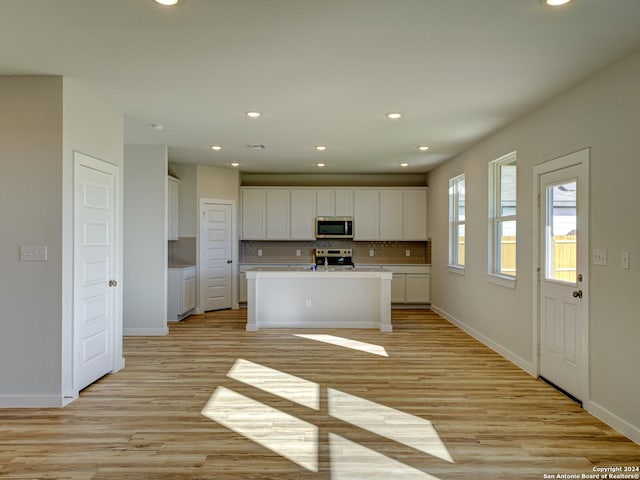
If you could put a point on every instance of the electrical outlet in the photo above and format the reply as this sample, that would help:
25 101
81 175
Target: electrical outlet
33 253
259 252
298 252
371 252
599 257
624 259
407 253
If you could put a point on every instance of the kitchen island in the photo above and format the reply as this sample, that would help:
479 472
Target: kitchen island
304 298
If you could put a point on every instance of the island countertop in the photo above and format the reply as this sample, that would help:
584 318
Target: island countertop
306 272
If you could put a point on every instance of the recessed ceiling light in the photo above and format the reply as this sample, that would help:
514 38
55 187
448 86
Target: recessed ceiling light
321 148
321 165
253 114
404 164
235 164
394 115
215 147
554 3
156 126
168 3
423 148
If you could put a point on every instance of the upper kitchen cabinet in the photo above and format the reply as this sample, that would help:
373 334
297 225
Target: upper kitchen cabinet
391 214
265 214
303 209
254 225
366 214
278 221
334 203
416 214
173 208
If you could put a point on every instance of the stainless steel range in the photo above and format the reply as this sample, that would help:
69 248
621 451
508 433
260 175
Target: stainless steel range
334 256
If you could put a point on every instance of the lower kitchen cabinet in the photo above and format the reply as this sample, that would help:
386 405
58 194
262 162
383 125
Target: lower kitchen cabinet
181 292
410 284
242 277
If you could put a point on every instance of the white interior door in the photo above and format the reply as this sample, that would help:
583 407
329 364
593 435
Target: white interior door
563 327
95 269
216 256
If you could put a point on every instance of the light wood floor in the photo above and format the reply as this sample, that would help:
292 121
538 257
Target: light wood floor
210 401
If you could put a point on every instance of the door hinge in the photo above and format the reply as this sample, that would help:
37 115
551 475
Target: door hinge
538 200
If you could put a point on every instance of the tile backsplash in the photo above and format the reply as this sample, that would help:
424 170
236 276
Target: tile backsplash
385 252
182 251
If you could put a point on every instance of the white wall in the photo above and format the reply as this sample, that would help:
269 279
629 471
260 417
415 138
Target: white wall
42 120
95 128
603 113
145 240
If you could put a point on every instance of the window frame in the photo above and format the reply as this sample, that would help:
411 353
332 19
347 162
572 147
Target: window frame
496 219
454 222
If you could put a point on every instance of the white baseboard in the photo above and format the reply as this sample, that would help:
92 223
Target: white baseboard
33 401
496 347
615 422
145 332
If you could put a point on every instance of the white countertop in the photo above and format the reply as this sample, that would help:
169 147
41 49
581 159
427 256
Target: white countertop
306 272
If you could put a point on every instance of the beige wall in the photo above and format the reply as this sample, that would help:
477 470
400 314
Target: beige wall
31 212
601 113
218 183
43 119
145 240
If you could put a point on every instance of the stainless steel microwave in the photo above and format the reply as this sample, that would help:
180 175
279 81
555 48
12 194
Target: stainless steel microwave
334 227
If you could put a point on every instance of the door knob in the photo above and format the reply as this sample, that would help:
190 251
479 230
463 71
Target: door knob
577 294
113 283
229 261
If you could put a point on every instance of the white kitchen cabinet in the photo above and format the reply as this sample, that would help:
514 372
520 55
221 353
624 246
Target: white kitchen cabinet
303 212
173 208
410 284
366 214
416 215
265 214
254 225
398 290
181 294
334 203
278 216
391 215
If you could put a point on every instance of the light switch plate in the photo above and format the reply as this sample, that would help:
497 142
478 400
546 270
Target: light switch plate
371 252
624 259
259 252
599 257
33 253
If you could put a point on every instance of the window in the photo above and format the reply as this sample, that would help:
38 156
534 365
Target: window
456 222
502 216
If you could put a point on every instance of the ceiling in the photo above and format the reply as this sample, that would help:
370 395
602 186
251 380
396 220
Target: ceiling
322 72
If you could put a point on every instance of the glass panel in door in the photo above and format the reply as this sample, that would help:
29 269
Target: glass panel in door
561 232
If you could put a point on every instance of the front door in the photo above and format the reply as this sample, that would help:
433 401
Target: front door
95 269
563 328
216 256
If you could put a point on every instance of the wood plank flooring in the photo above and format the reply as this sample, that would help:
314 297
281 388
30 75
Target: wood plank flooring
211 401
